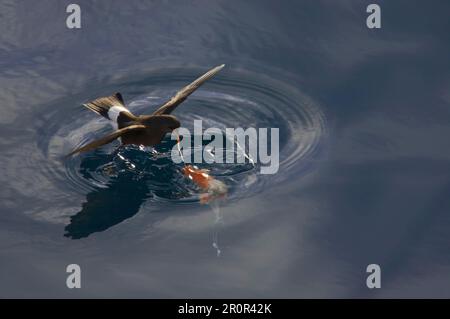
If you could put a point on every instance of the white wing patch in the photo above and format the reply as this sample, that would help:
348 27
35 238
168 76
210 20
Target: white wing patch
114 111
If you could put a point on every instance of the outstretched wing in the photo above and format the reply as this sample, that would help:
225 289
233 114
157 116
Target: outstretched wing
107 139
181 95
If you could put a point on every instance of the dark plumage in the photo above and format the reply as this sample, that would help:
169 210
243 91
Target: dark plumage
145 130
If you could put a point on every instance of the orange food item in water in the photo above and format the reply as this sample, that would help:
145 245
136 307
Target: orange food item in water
198 176
214 188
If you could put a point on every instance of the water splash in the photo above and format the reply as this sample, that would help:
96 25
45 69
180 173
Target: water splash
218 223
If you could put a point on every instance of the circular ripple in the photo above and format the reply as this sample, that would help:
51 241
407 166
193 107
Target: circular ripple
233 99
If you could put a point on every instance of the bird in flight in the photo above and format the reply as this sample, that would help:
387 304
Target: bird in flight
147 130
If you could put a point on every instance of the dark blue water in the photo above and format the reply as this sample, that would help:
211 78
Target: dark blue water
364 154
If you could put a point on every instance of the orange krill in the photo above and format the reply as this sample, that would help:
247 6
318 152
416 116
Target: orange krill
214 189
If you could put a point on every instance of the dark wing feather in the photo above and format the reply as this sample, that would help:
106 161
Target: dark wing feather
107 139
181 95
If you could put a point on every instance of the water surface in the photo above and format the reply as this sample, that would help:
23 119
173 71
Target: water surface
364 175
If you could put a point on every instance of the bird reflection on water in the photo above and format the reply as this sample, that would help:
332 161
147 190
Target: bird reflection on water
134 175
129 186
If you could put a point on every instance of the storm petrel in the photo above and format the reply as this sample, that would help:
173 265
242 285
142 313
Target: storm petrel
147 130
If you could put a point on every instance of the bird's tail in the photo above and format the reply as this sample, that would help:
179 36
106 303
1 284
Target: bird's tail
102 105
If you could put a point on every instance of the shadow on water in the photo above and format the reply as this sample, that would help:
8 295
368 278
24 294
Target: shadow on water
129 186
131 176
108 206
